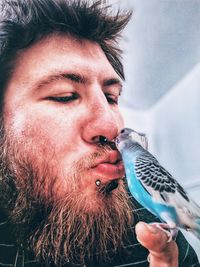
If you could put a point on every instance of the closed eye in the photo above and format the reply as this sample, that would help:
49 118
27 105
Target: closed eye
64 99
112 99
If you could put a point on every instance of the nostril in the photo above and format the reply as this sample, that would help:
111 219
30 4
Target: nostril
103 139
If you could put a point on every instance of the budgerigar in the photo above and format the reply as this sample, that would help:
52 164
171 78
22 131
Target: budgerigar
154 187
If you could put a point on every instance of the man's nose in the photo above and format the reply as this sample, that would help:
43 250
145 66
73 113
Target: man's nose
103 124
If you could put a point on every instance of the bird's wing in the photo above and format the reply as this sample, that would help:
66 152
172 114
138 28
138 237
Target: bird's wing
155 179
163 188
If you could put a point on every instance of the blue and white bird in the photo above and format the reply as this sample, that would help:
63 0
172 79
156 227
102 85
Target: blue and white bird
154 187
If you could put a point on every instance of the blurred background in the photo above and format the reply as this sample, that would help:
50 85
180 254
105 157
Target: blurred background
162 90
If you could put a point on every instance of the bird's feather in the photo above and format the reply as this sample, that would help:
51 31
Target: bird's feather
155 188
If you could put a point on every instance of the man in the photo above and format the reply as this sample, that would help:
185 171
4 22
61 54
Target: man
63 199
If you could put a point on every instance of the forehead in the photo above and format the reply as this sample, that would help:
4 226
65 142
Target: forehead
57 53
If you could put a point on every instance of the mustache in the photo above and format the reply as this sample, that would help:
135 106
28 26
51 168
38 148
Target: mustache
107 143
90 160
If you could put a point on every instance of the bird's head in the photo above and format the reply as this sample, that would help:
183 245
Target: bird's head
128 138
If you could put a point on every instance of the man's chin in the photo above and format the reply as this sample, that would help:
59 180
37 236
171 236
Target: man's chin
93 197
99 198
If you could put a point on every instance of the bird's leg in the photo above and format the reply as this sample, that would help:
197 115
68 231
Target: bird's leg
170 230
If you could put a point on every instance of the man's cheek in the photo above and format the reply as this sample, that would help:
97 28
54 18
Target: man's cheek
14 124
27 132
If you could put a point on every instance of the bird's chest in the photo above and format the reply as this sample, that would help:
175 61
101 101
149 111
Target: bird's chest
133 183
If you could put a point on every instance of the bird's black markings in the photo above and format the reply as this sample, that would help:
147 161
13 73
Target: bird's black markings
164 196
151 173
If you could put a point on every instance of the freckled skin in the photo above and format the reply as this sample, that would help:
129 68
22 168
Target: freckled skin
62 132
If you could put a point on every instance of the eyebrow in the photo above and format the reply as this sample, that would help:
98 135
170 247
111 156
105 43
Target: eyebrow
74 77
59 76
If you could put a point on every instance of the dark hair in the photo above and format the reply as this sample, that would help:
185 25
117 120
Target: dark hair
23 22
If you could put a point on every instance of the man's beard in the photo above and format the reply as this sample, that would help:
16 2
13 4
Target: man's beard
60 230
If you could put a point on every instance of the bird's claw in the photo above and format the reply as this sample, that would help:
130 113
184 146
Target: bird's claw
170 231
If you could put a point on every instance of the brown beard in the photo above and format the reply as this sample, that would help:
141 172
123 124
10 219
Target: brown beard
60 230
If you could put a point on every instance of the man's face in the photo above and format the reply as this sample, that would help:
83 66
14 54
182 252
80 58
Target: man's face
59 103
62 96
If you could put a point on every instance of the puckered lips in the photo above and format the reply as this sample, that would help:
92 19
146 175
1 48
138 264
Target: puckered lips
109 167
